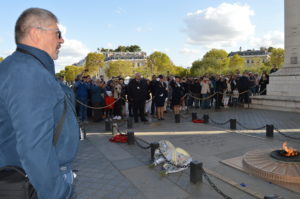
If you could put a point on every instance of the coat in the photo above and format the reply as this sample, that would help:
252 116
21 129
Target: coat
31 104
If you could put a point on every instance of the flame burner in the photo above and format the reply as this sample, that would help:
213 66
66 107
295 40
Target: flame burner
262 164
281 155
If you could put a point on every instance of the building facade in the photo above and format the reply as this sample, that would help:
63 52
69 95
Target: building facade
253 57
137 59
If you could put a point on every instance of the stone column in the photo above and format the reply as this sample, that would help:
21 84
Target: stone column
286 81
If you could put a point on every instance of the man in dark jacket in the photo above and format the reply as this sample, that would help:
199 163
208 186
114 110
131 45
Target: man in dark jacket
32 103
243 85
137 95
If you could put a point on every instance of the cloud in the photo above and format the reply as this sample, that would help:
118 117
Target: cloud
143 29
273 38
189 51
218 27
71 51
120 11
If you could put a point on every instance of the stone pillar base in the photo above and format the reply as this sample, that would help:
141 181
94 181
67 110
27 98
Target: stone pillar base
285 82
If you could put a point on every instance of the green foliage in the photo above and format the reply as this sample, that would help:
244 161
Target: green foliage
132 48
122 68
214 61
71 72
1 59
180 71
93 62
160 63
277 57
236 62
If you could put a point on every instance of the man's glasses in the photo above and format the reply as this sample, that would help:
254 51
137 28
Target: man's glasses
58 32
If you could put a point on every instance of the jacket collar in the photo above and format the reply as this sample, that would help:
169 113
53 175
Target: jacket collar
41 55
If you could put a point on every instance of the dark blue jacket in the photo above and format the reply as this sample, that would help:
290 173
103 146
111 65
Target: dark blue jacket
97 94
31 104
82 90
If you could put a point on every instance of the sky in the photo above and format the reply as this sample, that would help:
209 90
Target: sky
183 29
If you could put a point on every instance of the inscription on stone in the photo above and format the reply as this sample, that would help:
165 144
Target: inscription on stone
294 60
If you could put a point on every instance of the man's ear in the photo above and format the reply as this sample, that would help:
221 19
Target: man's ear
34 35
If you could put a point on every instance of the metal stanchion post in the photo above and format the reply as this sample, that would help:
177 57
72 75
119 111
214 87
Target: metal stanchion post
177 118
233 124
108 125
206 118
153 146
129 123
269 130
196 171
114 130
194 116
131 139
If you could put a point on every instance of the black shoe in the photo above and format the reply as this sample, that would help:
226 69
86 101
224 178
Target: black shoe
144 120
162 118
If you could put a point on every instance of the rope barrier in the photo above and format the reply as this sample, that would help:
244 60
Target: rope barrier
98 108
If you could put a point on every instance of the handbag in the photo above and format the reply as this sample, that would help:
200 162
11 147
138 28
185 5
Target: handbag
14 183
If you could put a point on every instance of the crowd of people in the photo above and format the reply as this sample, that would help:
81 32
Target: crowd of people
116 98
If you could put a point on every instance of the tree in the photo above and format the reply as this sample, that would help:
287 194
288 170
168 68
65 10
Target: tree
180 71
160 63
72 71
198 68
121 49
236 62
1 59
122 68
134 48
93 62
217 60
277 57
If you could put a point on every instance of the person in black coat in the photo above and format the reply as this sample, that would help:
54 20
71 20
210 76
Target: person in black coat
177 94
264 80
243 85
137 94
160 96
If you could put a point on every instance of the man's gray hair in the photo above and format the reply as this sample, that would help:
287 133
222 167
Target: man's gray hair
32 17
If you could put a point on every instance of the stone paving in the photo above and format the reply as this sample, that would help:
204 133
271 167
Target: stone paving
112 171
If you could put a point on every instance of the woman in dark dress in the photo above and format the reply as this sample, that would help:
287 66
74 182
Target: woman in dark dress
177 95
264 80
160 96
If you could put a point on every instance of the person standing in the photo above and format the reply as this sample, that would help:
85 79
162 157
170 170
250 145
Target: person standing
97 100
137 94
177 95
32 103
160 96
82 93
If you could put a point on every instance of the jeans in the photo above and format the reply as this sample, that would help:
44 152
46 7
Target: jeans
82 110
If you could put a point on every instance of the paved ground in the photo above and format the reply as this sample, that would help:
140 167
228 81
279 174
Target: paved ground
119 171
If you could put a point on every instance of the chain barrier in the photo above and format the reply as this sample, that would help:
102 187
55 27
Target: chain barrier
288 136
219 123
214 186
140 145
243 126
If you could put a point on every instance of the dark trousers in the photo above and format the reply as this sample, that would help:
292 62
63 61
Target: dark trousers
97 113
118 108
138 108
152 107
